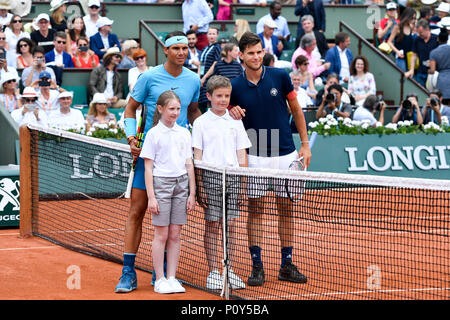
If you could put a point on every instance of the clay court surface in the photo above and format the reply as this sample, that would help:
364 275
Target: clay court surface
34 268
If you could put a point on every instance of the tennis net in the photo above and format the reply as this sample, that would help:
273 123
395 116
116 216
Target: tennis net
353 237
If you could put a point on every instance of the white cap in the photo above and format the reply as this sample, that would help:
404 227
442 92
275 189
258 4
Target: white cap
391 5
270 23
103 21
55 4
443 7
426 2
42 16
65 94
6 77
94 3
444 23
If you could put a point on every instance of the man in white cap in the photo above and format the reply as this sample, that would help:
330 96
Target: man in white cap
103 39
44 36
5 16
90 20
282 29
65 117
444 23
442 11
270 42
30 111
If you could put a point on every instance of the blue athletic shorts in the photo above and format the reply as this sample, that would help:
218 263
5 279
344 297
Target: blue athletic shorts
139 175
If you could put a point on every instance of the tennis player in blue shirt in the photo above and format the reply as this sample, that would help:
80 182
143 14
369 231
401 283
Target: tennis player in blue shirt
259 96
168 76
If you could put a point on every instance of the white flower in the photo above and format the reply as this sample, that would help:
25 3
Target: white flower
92 129
111 123
322 120
347 121
340 119
378 124
114 131
96 125
103 126
326 127
365 125
332 122
356 123
400 123
89 133
330 116
392 126
444 120
312 125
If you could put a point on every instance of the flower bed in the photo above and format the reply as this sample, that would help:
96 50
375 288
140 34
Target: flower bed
102 131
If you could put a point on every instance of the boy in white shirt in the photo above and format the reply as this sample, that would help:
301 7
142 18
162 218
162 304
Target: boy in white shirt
220 140
65 117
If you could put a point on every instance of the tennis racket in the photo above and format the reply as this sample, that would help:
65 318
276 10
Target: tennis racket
295 187
140 139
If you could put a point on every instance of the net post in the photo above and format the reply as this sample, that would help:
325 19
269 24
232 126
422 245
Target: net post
25 182
226 288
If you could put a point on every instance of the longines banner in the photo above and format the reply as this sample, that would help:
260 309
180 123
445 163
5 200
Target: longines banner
402 155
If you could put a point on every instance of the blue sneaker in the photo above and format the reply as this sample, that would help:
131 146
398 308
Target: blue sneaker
128 281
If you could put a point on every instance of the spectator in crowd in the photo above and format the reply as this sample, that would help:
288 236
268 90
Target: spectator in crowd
210 54
5 16
368 109
440 61
58 57
261 3
241 26
270 42
84 57
9 92
402 37
193 58
306 78
314 8
98 112
4 68
442 11
65 117
409 110
228 65
445 24
362 82
9 54
421 48
281 30
31 74
269 60
333 104
140 58
425 13
197 16
340 57
434 108
105 79
306 48
321 49
388 22
332 78
90 20
57 19
224 11
128 48
48 92
104 38
14 32
30 111
76 30
44 36
302 96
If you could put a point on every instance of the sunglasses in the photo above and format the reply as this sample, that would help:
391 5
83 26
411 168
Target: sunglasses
306 63
23 45
60 41
29 100
2 39
94 7
11 81
139 58
43 22
16 21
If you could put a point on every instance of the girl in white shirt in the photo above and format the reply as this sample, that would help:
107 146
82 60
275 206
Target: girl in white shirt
170 184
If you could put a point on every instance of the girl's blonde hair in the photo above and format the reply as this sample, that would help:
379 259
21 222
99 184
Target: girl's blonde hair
57 15
163 100
242 27
227 48
93 109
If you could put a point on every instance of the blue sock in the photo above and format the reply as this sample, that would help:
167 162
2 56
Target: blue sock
255 251
128 260
286 255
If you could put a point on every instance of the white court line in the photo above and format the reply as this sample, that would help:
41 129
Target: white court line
44 247
354 292
9 234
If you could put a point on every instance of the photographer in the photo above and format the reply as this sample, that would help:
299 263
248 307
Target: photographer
4 68
30 111
367 111
409 110
31 74
332 104
48 92
434 109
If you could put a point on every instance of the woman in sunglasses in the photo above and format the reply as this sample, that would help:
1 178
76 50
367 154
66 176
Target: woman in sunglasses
14 32
76 29
306 77
24 51
84 57
140 58
9 95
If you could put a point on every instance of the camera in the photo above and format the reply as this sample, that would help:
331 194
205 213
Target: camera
44 83
83 48
2 55
406 104
40 61
330 97
379 102
434 102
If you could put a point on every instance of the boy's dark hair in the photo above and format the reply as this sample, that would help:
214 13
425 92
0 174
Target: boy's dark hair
216 82
190 31
248 39
337 87
340 37
38 49
267 59
60 34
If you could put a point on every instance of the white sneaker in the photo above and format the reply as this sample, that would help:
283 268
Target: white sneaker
163 286
176 285
214 281
236 283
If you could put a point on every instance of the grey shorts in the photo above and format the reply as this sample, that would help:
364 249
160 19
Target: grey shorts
212 183
171 194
